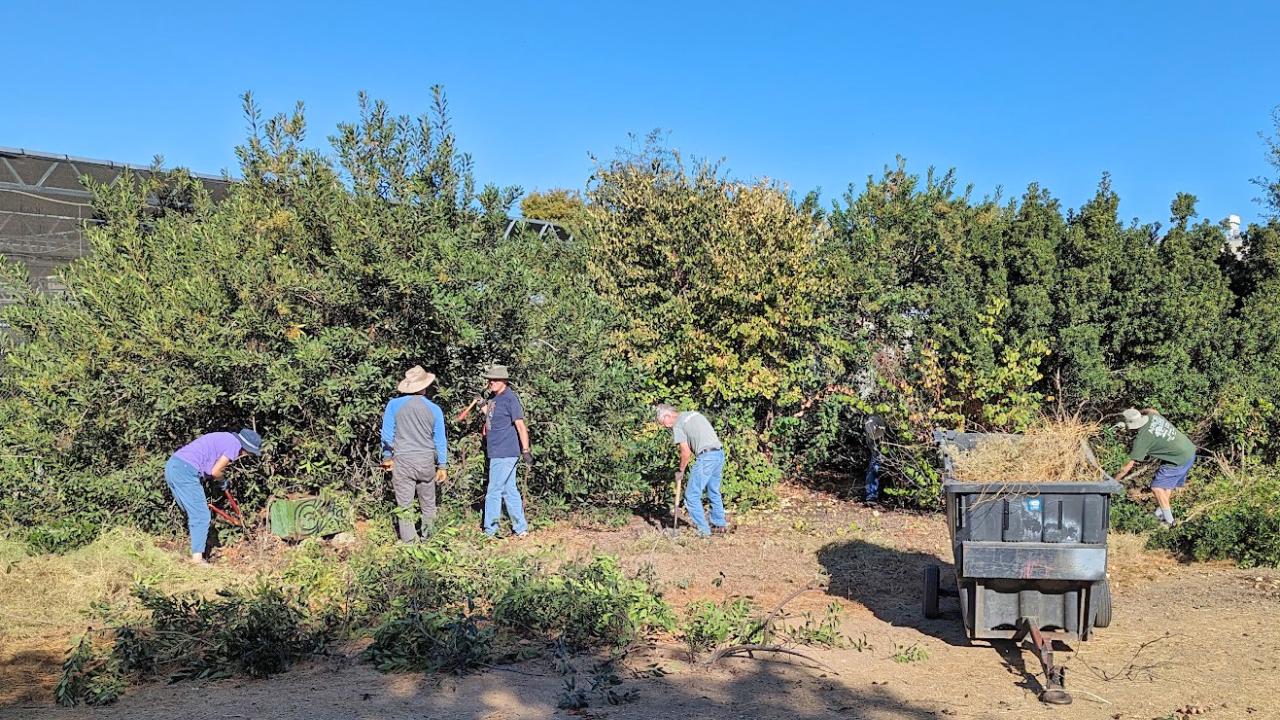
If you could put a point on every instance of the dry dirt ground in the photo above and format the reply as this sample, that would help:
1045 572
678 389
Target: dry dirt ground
1186 640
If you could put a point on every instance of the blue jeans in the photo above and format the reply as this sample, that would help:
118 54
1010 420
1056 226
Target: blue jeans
873 478
705 476
502 488
184 483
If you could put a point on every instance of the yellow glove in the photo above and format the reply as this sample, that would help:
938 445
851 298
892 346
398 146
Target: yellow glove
441 475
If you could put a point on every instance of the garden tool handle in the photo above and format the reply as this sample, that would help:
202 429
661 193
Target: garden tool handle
675 503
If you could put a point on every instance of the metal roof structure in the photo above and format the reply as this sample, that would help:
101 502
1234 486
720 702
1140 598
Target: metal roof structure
44 207
541 228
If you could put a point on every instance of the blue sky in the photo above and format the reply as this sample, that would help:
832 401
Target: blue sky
1167 96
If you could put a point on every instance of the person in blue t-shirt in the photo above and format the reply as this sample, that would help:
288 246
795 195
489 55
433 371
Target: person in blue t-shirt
506 442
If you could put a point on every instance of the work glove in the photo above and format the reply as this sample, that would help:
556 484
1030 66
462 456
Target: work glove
388 464
441 475
527 457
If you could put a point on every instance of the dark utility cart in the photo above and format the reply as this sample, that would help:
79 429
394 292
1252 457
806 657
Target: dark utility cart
1030 557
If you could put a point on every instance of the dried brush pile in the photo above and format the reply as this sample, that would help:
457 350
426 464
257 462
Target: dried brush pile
1052 451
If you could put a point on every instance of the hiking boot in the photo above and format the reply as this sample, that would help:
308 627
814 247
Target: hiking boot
721 530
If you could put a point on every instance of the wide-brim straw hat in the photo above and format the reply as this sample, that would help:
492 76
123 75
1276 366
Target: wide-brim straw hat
416 380
497 372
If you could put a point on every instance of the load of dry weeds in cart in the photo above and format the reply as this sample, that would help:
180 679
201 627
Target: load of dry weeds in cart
1051 451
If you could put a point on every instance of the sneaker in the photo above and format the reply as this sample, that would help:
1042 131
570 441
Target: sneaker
718 530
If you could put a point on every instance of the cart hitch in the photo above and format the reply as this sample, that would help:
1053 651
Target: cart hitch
1055 692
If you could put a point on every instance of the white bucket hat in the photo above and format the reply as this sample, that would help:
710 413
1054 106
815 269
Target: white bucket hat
1133 420
416 380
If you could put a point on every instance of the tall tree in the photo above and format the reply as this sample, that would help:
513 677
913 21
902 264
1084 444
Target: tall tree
1270 186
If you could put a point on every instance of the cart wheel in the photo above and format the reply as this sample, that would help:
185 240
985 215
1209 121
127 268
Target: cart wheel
931 580
1101 604
966 592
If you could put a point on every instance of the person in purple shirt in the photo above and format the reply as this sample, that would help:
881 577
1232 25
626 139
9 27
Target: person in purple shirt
206 456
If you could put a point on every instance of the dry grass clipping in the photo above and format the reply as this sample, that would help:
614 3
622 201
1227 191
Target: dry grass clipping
1130 564
1052 451
46 593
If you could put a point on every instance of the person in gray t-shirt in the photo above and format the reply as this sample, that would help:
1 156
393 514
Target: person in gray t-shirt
698 442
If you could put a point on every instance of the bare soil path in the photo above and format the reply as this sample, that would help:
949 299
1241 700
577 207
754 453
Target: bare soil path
1184 637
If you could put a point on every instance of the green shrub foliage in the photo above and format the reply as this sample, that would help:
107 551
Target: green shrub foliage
294 304
1230 514
583 604
257 632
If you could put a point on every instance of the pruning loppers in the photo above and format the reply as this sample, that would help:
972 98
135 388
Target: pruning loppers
236 519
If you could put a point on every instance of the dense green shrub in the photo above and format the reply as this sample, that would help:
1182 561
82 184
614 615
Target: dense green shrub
583 604
294 306
90 675
709 624
257 632
1132 517
432 641
731 298
1234 515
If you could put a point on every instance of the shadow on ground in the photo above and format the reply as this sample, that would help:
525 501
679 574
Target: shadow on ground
24 676
737 689
890 583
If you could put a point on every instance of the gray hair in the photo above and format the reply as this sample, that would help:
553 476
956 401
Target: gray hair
662 410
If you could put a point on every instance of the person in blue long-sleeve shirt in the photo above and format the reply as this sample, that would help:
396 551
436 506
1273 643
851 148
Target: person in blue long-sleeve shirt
415 450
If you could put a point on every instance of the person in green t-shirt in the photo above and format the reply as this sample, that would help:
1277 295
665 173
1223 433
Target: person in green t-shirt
1158 438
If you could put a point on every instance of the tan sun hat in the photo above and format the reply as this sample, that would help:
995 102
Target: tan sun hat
497 372
1133 419
416 380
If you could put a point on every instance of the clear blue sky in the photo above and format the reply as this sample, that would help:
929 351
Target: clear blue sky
1167 96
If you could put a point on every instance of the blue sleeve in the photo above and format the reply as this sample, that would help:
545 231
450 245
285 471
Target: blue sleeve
516 408
442 443
389 428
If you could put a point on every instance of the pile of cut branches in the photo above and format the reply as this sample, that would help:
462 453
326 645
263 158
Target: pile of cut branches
1052 451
